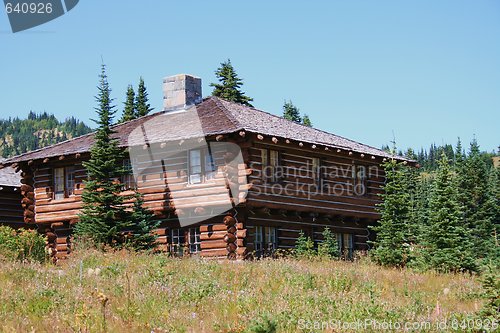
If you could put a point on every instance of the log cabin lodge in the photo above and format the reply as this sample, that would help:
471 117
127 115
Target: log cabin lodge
224 179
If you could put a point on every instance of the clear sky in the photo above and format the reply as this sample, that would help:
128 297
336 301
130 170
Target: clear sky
429 71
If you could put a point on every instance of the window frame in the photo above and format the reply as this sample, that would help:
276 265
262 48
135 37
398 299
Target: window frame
194 240
265 240
346 250
63 185
362 180
176 247
207 166
271 161
128 181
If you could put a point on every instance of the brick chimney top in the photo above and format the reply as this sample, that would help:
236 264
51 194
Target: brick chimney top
181 91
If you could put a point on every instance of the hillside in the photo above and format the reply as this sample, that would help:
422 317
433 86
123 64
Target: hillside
18 135
122 291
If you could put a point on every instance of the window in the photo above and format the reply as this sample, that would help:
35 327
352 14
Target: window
271 166
194 240
316 169
128 180
69 181
64 182
359 179
258 241
270 238
264 240
177 242
201 166
209 166
346 247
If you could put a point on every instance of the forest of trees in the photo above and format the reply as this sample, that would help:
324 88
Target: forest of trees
444 215
37 131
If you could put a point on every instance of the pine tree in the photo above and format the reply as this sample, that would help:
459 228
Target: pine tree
103 217
291 112
306 121
304 246
142 106
392 244
473 196
144 223
329 248
129 109
230 84
447 239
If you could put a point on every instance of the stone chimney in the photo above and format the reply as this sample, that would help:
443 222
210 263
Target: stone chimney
181 91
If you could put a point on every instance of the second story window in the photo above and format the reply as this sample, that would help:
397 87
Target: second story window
128 180
316 169
271 166
359 180
64 182
201 166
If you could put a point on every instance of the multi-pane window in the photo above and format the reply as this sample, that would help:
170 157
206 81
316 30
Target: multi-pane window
177 241
265 240
346 245
64 182
128 179
201 166
271 168
359 179
194 240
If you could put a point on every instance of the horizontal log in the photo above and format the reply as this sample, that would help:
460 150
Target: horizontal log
218 235
214 253
213 227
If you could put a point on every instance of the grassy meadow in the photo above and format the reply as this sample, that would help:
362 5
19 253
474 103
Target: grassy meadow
128 292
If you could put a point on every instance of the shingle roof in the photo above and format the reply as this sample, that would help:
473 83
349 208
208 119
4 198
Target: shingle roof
216 116
9 177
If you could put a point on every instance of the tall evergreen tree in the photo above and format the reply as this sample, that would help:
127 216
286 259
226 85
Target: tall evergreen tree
230 84
447 239
473 196
291 112
103 217
392 243
142 106
306 121
129 109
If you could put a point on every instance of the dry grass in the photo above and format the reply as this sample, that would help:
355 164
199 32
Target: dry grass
118 292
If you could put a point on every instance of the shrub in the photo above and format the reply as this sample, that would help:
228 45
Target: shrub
329 248
304 247
22 245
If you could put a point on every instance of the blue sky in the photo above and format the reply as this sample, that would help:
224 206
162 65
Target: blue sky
429 71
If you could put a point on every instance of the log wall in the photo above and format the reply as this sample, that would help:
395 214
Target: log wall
11 211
